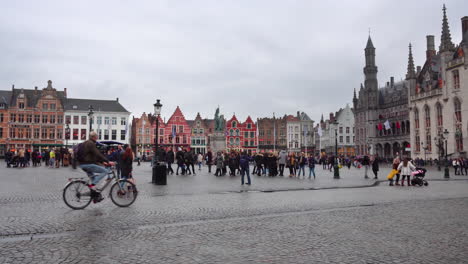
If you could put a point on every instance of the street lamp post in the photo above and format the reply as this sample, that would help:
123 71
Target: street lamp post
90 115
157 112
336 170
67 134
438 142
446 170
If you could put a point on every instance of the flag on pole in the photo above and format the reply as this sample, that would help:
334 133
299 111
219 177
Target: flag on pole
319 131
379 126
173 131
387 125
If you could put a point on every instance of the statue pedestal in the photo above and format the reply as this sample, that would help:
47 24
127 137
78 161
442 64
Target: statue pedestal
217 142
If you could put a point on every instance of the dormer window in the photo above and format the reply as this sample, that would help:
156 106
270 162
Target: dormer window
2 106
75 107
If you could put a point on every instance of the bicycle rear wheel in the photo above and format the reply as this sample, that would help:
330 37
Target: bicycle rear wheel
123 193
77 195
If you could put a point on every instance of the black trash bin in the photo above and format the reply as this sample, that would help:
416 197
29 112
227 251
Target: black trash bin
159 174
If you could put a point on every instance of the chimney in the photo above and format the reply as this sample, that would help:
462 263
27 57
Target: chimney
35 88
117 99
392 81
465 29
65 91
388 84
418 70
298 114
430 50
12 86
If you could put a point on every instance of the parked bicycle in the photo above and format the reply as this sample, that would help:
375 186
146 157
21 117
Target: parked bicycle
77 193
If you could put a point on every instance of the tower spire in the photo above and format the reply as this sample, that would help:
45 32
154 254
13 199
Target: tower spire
445 39
411 73
354 97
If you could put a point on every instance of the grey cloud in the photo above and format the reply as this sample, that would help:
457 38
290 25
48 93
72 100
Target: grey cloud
249 57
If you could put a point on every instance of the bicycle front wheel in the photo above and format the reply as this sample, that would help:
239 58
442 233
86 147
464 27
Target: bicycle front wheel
123 193
77 195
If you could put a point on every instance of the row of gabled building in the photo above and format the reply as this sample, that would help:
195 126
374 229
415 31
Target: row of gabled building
38 119
291 133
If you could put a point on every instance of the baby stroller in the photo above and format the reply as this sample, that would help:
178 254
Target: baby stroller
418 177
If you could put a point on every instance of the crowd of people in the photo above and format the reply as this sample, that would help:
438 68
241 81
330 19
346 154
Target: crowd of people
233 163
53 158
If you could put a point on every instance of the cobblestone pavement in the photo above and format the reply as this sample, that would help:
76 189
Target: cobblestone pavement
379 224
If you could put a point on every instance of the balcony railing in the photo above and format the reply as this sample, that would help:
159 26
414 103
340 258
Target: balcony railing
423 95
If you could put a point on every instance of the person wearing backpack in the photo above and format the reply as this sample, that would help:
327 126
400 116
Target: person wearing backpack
93 162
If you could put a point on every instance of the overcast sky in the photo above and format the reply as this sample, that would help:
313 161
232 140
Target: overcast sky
249 57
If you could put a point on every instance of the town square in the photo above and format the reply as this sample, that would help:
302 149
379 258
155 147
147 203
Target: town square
234 132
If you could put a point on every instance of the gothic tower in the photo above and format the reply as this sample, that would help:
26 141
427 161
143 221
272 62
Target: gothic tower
411 74
370 73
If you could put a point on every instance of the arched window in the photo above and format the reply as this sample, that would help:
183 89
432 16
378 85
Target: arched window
416 118
231 141
407 127
403 127
237 132
237 141
427 116
234 124
440 119
231 132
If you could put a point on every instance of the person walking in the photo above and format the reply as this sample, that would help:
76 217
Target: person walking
209 159
366 163
395 164
311 162
375 166
302 160
245 169
199 161
219 164
282 157
170 160
456 165
51 158
180 162
406 167
126 163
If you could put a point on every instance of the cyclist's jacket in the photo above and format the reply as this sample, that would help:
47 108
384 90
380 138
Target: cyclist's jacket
91 154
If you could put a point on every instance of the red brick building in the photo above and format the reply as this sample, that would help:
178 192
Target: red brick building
31 118
271 134
241 136
177 132
142 135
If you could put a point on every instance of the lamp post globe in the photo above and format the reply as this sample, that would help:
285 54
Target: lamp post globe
446 170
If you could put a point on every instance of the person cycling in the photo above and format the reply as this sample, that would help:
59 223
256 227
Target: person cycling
94 162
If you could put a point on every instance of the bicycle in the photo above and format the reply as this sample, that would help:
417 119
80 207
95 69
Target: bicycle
77 193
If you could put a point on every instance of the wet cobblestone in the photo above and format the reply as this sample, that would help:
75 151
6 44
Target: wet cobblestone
355 225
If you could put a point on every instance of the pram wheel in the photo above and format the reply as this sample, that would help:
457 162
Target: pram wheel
426 183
